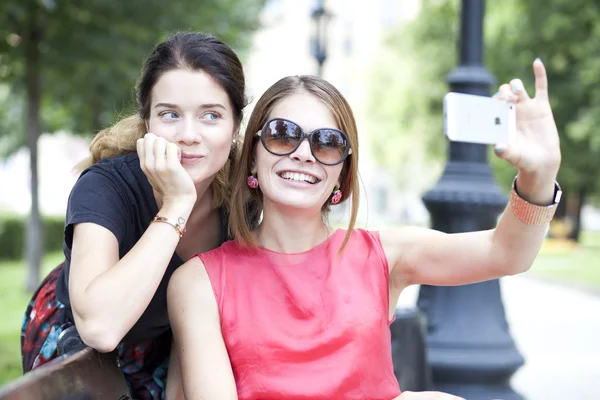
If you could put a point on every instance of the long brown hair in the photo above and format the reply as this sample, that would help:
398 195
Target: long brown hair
193 51
242 216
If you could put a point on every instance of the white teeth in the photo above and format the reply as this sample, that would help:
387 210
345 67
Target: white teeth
299 177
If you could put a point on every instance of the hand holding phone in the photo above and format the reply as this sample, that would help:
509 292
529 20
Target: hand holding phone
521 128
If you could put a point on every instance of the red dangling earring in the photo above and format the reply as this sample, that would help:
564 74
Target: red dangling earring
337 195
252 182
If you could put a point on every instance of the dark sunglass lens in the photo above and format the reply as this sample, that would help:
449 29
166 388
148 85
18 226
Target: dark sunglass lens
329 145
282 136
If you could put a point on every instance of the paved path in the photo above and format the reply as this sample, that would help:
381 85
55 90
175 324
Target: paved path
557 329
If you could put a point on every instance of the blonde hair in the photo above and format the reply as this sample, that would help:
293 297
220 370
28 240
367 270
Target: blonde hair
189 50
117 140
242 215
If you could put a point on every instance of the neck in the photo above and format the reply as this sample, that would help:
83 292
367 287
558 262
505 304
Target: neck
291 230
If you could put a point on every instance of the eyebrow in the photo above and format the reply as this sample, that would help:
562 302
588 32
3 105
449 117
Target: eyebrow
208 105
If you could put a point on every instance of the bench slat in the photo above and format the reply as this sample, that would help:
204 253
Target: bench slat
84 375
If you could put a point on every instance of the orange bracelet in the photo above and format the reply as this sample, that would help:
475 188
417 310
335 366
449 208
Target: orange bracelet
179 225
533 214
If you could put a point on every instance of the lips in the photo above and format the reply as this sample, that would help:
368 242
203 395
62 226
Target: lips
298 177
190 158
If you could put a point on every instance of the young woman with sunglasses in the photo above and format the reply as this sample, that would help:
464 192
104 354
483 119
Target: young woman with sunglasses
151 178
295 309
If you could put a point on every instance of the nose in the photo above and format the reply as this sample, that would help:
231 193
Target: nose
303 153
187 132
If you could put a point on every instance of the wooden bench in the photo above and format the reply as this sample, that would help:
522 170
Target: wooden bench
81 375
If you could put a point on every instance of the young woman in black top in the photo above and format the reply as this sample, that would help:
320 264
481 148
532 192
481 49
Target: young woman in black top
150 196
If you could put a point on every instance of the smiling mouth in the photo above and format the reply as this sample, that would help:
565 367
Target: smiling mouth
299 177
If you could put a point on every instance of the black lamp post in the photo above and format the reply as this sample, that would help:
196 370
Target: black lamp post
470 349
321 18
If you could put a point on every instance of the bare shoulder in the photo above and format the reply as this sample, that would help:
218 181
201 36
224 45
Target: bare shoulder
190 282
193 268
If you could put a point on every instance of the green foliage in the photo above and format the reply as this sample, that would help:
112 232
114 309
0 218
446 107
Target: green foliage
13 230
410 80
405 104
565 35
92 50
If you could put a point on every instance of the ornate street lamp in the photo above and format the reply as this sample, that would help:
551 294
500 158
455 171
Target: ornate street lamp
470 349
320 17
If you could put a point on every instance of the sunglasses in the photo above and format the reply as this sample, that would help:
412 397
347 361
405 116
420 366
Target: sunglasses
282 137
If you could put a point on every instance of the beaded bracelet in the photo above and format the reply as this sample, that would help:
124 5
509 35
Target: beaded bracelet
532 214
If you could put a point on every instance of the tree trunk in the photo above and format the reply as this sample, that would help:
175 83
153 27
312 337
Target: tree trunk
32 123
574 205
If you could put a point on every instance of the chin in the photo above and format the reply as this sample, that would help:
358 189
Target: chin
200 176
299 204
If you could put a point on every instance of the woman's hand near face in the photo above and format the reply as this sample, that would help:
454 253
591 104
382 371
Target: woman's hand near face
160 162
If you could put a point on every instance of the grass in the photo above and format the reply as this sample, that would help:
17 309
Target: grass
13 301
570 263
564 262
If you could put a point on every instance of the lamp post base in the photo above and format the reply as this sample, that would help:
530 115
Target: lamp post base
469 347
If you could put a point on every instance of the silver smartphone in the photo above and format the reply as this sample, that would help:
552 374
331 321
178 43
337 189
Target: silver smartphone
478 119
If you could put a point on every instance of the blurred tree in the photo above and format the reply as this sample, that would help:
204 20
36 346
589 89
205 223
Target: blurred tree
73 65
407 92
565 35
408 84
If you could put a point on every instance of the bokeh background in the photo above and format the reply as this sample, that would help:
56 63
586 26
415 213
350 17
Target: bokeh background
68 69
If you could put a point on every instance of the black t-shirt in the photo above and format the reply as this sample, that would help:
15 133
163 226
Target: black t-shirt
115 193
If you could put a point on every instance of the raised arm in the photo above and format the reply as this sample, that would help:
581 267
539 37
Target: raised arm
108 295
203 359
423 256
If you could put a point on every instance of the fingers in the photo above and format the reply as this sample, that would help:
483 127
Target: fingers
149 140
160 154
156 153
510 154
140 150
173 156
541 80
505 93
515 91
518 89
